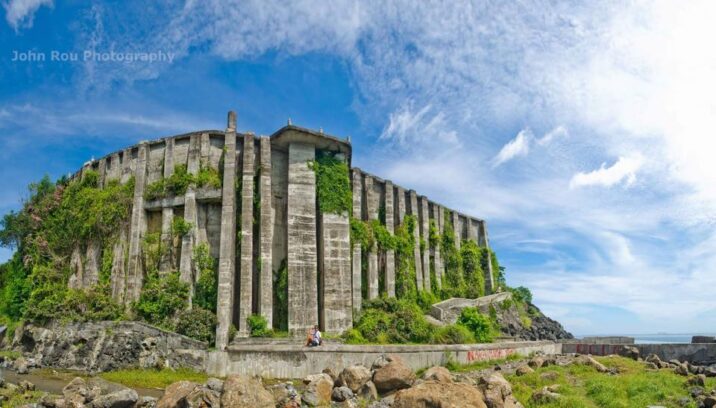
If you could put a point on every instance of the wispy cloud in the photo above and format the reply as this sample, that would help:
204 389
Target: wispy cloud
519 146
20 13
624 170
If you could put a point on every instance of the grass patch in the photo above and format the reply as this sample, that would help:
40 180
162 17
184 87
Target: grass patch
481 365
147 378
18 400
10 354
583 386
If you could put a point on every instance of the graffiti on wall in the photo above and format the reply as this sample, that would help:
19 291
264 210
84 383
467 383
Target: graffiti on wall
491 354
598 349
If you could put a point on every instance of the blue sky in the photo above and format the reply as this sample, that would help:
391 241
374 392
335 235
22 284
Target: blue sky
582 132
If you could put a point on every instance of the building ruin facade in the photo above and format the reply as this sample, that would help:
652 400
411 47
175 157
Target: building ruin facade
262 217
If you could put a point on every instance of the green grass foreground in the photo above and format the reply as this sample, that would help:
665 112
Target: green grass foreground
143 378
582 386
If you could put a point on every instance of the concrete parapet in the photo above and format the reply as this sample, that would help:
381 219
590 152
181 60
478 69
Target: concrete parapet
296 361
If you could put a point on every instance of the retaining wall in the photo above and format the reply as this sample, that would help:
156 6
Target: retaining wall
294 361
694 353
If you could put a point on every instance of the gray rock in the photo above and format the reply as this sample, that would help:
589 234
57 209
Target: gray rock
342 393
21 366
215 384
120 399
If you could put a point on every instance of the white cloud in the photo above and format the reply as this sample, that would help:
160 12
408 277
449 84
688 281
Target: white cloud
557 132
519 146
20 13
623 170
409 128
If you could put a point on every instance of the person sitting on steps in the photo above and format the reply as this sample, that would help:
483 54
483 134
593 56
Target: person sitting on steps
314 337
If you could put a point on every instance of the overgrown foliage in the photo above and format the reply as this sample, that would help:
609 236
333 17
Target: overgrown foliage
258 326
333 184
482 327
162 297
205 290
179 182
55 220
197 323
280 297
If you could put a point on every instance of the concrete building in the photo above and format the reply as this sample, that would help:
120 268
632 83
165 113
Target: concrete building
265 215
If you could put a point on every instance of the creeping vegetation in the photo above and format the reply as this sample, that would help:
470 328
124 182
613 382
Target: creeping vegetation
333 184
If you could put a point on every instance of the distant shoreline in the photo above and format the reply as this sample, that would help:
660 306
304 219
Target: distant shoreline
654 338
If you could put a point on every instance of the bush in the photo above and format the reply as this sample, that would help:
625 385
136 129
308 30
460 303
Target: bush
258 326
197 323
426 300
521 294
388 320
481 326
208 177
453 334
205 291
161 298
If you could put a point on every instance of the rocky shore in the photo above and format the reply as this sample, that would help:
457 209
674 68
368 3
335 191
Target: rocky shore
387 383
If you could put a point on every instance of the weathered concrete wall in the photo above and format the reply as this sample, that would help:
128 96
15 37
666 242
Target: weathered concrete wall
295 361
302 257
695 353
325 270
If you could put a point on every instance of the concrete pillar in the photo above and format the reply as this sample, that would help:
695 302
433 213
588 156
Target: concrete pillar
113 171
76 278
490 284
372 214
166 263
102 171
118 277
302 249
265 304
416 251
390 226
425 233
455 220
439 264
247 235
336 285
92 259
400 203
137 226
227 245
126 173
204 147
357 261
186 264
472 230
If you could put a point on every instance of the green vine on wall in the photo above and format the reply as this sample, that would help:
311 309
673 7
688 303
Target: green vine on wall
333 184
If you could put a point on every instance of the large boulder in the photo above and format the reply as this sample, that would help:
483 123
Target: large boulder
354 377
121 399
342 393
243 391
496 390
433 394
590 361
437 373
319 389
77 392
175 394
203 397
395 375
